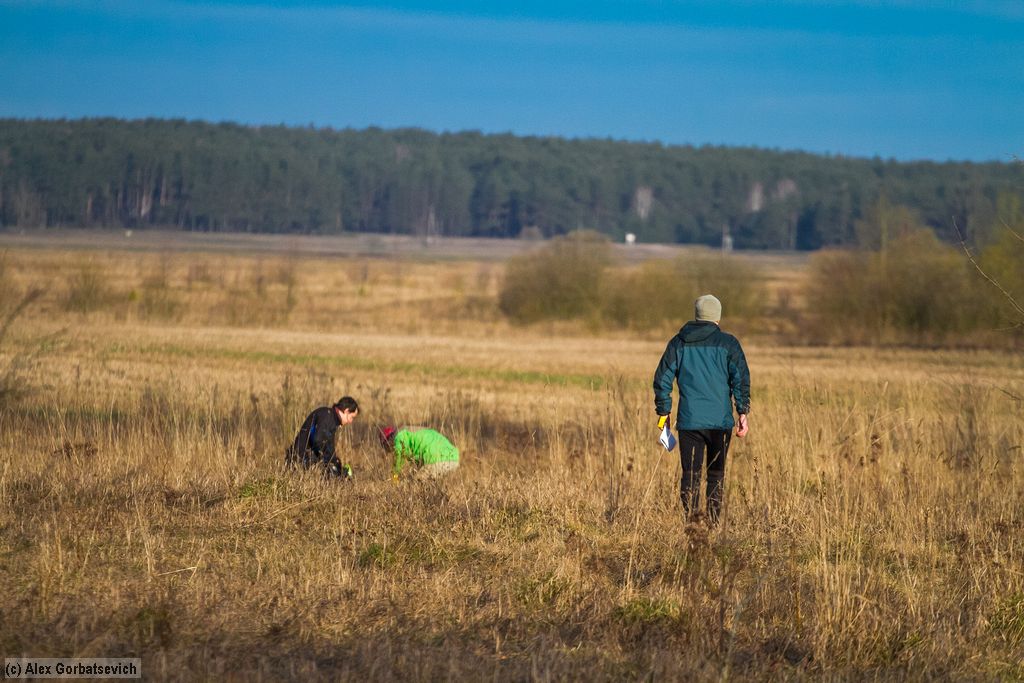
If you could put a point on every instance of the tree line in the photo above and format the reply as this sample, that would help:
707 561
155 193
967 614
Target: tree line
194 175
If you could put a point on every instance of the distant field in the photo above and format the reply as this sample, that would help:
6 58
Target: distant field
259 280
347 245
873 525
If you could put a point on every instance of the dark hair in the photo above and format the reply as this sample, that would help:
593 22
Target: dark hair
347 403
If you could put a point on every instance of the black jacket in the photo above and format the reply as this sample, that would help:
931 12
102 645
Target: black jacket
315 440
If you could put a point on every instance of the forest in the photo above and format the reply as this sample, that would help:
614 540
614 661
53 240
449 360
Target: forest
191 175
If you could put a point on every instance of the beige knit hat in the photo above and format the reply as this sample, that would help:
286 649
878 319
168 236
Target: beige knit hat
708 308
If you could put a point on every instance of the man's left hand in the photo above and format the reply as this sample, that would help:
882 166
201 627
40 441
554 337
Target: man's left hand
743 427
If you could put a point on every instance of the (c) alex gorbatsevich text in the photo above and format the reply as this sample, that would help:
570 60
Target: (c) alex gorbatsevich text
72 667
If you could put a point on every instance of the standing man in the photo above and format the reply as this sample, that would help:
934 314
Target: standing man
711 371
314 444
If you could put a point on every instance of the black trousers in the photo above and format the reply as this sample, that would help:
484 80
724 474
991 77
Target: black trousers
694 446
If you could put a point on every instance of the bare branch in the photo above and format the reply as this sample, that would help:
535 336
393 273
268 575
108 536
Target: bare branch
10 385
18 309
1012 231
970 256
1015 397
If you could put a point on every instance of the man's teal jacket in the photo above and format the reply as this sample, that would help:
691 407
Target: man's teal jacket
710 368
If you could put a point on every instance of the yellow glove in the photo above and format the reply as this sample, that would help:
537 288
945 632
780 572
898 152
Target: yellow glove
662 420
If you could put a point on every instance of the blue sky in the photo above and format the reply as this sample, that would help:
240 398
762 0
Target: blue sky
929 79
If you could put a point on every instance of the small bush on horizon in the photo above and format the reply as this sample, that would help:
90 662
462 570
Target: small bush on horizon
1003 261
157 300
664 291
570 278
88 289
918 290
561 280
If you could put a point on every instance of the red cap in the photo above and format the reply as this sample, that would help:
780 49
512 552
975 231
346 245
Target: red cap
387 433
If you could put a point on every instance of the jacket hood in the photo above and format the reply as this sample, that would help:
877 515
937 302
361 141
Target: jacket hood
697 331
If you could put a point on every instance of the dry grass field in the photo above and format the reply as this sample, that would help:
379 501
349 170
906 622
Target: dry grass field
874 524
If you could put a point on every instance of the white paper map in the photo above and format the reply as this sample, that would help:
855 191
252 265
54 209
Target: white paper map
667 438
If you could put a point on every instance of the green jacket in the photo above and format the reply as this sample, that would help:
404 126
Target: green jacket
422 447
709 367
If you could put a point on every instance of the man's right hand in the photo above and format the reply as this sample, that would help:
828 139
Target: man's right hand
743 427
662 420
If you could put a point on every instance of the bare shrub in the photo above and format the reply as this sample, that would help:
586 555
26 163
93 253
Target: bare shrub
737 283
198 273
561 280
1003 261
12 385
261 294
87 289
288 276
570 278
660 291
13 304
648 295
158 299
919 290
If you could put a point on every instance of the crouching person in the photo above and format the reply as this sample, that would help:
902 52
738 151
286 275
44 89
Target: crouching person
314 444
428 453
